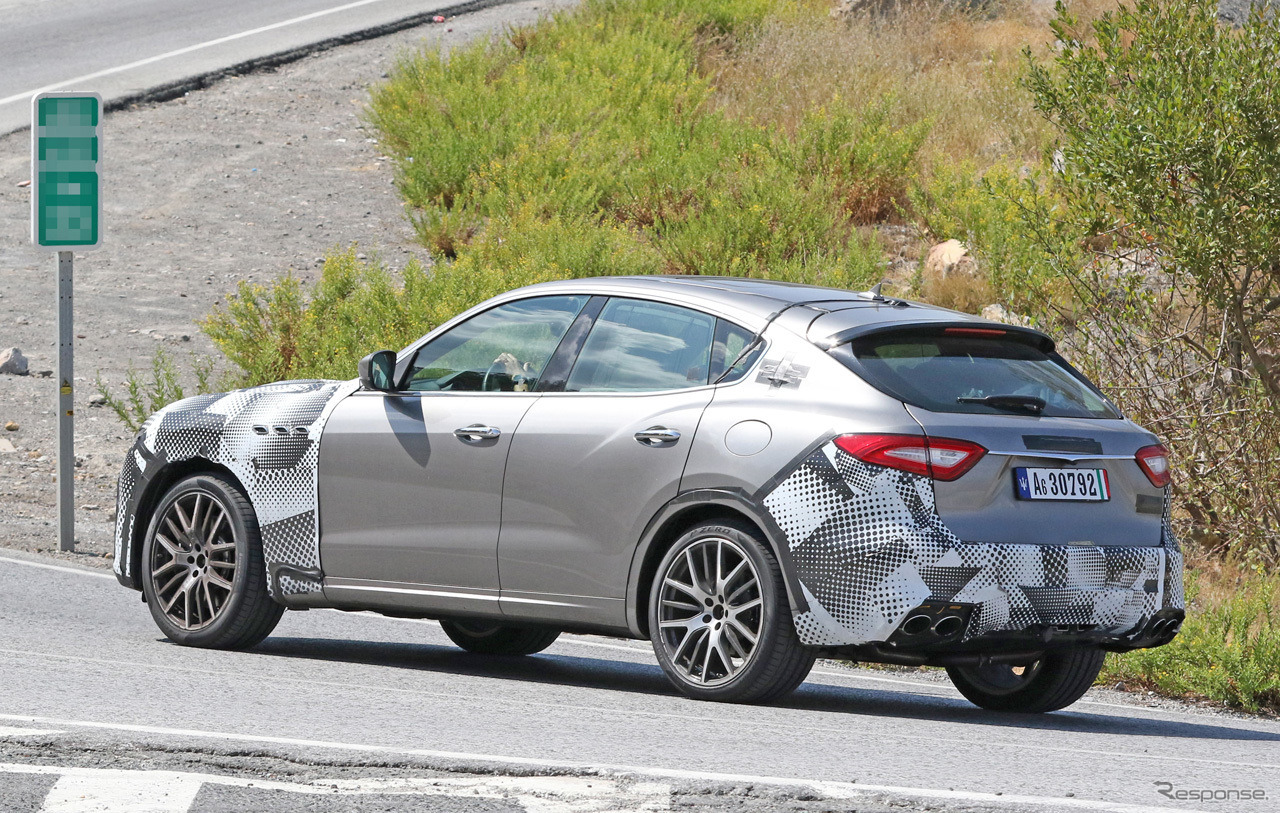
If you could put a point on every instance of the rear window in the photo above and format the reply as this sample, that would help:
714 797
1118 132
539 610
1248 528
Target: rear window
944 374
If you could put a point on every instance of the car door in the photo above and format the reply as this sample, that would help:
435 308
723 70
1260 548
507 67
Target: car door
411 480
594 462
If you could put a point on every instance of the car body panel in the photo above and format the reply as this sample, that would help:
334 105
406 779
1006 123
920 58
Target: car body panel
405 500
869 546
268 438
579 491
982 506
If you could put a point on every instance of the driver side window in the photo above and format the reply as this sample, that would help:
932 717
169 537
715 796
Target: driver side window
503 349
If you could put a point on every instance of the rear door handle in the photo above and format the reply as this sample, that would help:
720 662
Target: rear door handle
657 436
477 432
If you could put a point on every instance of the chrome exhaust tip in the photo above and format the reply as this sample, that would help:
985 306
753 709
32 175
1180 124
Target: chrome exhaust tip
948 626
917 625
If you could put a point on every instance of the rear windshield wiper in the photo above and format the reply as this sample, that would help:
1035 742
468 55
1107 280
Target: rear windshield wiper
1028 402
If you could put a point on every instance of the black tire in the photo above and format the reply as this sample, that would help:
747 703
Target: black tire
725 618
1058 679
489 638
237 617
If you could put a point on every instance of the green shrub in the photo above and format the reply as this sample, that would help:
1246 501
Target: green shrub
1229 647
145 393
987 211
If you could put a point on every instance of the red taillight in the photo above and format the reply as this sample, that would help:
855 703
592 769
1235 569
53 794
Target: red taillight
939 458
1154 462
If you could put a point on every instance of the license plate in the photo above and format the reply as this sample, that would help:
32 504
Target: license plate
1077 485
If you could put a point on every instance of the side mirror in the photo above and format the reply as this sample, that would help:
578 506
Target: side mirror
378 370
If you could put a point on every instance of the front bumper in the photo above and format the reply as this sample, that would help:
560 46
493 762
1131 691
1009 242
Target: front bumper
868 547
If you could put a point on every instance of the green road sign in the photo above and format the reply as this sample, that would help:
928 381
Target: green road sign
66 154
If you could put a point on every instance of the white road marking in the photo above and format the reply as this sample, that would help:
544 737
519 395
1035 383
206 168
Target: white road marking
112 791
26 95
11 731
76 570
107 790
656 787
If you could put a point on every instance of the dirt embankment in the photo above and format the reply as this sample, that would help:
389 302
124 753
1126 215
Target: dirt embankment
252 178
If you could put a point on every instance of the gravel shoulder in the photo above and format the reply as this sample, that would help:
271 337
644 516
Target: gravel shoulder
252 178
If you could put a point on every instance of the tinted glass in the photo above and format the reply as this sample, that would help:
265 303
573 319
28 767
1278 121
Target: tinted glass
933 372
638 346
500 350
730 341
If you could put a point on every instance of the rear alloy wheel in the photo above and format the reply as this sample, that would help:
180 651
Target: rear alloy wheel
1055 681
204 577
720 621
489 638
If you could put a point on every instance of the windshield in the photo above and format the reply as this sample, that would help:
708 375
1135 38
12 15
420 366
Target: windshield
953 373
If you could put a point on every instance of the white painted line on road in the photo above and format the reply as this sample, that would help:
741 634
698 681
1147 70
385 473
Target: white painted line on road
88 77
114 790
10 731
76 570
842 790
98 791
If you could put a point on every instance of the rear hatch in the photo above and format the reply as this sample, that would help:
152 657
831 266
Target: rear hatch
1060 466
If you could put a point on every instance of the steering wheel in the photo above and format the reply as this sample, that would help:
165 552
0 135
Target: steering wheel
497 367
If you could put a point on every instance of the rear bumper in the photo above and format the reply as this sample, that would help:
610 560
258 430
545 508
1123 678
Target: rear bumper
868 548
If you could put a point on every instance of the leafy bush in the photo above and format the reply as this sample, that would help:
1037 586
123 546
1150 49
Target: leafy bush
1164 221
145 394
1229 646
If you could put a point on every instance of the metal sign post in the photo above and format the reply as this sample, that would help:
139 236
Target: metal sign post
66 213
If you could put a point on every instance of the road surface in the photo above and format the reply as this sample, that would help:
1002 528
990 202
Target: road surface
83 667
133 49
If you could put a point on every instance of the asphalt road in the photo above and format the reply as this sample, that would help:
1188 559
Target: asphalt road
129 49
81 660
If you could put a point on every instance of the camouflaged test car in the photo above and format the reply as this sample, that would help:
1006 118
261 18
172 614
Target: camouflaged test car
749 474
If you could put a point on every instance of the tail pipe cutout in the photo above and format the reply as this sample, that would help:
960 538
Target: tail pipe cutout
934 622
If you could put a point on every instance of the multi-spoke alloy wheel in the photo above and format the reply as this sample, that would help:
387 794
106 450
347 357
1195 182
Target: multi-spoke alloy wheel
193 561
710 610
204 579
719 618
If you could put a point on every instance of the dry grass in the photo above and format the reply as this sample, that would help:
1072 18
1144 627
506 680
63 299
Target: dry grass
954 69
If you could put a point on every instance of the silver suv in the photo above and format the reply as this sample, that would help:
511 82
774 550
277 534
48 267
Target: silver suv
749 474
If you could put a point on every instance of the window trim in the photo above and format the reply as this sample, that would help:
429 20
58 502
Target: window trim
404 362
760 353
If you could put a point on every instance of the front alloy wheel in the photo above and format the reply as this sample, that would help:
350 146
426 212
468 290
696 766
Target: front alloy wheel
205 580
719 618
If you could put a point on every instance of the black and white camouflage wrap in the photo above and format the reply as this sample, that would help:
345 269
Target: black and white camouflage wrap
269 438
868 546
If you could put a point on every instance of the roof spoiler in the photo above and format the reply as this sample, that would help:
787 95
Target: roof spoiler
973 327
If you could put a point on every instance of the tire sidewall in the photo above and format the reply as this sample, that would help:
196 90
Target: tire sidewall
245 535
775 606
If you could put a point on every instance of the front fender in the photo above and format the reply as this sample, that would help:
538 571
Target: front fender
268 439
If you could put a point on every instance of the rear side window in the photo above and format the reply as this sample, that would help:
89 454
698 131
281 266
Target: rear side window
638 346
949 373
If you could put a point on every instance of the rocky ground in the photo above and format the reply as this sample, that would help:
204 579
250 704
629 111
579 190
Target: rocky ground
254 177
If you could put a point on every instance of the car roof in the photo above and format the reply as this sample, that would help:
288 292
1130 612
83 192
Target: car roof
813 311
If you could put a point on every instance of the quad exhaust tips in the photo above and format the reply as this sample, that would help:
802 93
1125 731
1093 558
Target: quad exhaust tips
933 622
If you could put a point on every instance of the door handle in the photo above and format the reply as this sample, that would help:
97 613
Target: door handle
477 432
657 436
